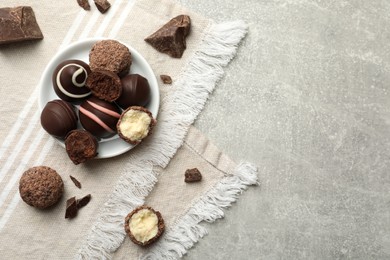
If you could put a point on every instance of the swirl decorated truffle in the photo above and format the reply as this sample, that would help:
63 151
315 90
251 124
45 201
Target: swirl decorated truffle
99 117
69 79
135 91
58 118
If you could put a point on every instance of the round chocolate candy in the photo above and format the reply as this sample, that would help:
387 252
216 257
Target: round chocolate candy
69 79
58 118
135 91
99 117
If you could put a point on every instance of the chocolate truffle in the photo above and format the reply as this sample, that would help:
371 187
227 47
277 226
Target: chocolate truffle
171 37
144 225
105 85
110 55
135 124
58 118
69 79
135 91
81 146
99 117
41 187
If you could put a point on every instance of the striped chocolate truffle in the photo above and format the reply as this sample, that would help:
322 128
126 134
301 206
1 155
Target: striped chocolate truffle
69 79
99 117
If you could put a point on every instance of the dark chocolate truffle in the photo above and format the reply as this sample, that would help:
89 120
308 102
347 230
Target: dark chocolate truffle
135 124
105 85
171 38
81 146
69 79
135 91
110 55
99 117
41 187
144 225
58 118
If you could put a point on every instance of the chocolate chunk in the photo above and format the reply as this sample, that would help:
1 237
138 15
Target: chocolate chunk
192 175
166 79
75 181
18 24
171 38
102 5
83 201
84 4
71 208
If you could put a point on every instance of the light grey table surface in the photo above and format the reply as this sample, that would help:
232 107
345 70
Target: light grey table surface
306 100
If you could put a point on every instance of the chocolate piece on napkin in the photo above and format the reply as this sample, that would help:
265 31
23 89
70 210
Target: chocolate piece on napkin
166 79
192 175
102 5
18 24
83 201
84 4
71 208
171 38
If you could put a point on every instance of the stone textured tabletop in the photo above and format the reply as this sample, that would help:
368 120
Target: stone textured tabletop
307 100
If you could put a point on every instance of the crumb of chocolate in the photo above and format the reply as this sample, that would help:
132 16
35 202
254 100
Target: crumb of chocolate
84 4
102 5
71 208
192 175
166 79
75 181
83 201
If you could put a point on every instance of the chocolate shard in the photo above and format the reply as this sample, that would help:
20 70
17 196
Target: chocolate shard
102 5
192 175
83 201
71 208
171 38
84 4
166 79
75 181
18 24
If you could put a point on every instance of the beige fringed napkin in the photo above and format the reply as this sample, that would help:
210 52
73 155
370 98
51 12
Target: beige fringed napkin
117 184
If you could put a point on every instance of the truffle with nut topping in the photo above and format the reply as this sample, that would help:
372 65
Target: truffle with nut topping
41 187
144 225
135 124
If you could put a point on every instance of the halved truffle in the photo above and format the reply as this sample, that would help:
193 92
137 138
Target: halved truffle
81 146
104 84
144 225
41 187
135 124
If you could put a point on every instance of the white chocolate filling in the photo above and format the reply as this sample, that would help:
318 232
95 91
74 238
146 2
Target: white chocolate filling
135 124
143 225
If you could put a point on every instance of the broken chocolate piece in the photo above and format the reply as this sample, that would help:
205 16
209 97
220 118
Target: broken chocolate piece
166 79
75 181
192 175
83 201
171 38
144 225
18 24
102 5
84 4
71 208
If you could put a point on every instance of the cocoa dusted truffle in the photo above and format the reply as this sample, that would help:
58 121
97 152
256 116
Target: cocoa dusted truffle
69 79
81 146
110 55
135 124
144 225
171 37
58 118
105 85
99 117
135 91
41 187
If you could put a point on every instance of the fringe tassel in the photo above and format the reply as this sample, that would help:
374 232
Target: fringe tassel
177 112
187 231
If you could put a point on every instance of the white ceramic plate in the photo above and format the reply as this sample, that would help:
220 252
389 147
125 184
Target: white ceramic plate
80 50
